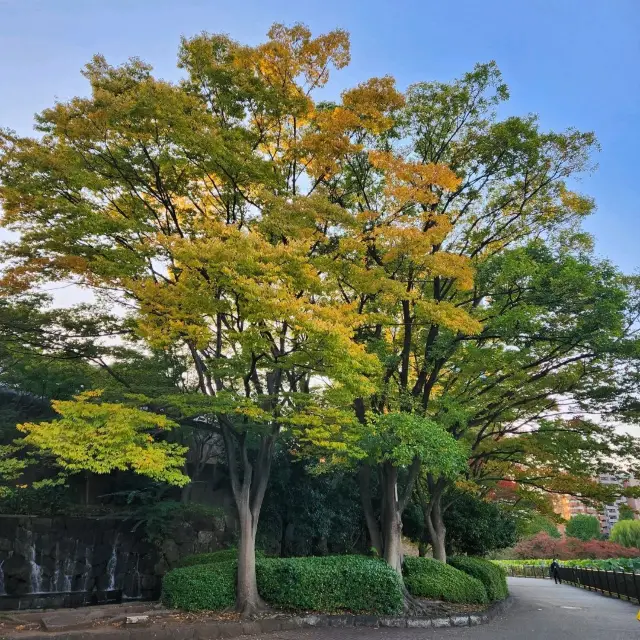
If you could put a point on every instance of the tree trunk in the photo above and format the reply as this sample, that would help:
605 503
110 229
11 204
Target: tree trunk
185 494
391 518
437 530
375 536
248 600
248 492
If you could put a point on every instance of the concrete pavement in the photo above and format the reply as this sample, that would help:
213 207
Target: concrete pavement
542 611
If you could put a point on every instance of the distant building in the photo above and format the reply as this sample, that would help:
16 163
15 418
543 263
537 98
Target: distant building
634 503
568 506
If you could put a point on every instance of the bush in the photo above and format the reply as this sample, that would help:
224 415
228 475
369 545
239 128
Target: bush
225 555
543 546
476 527
428 578
201 587
332 583
491 575
583 527
626 533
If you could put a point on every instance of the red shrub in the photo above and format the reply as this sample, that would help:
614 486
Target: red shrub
542 545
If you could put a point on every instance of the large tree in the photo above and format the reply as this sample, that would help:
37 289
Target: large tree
448 211
201 209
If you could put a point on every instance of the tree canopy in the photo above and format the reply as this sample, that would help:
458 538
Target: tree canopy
583 527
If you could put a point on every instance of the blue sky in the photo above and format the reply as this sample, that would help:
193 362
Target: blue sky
573 62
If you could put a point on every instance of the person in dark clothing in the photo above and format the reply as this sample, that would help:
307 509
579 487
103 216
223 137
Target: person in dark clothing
554 571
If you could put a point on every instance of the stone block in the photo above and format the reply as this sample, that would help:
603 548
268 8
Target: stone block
475 620
419 623
313 621
459 621
340 621
439 623
170 551
205 538
366 621
394 622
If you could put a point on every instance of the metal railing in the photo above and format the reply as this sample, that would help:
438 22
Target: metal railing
527 571
619 584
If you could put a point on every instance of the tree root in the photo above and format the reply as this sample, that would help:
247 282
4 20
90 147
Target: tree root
250 608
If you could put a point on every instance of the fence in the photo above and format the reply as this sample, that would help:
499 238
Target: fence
528 571
620 584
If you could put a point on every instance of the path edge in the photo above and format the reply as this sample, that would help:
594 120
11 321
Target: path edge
213 630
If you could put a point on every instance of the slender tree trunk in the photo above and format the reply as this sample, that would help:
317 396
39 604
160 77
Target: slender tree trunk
248 600
391 518
375 536
248 492
434 519
185 494
433 515
437 531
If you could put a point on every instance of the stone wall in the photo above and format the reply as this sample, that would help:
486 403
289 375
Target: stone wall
94 555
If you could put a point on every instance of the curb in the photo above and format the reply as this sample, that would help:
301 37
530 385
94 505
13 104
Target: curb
214 630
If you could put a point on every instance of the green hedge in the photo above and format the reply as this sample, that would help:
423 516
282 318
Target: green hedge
493 577
225 555
428 578
334 583
201 587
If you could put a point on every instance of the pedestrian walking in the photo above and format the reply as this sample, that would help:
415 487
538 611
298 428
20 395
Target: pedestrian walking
554 571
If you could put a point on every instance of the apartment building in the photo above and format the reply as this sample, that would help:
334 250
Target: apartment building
569 506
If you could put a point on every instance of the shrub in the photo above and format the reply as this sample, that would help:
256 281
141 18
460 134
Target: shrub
332 583
626 533
583 527
476 527
543 546
428 578
201 587
491 575
224 555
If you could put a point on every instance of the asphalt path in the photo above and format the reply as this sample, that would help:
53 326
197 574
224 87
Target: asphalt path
542 610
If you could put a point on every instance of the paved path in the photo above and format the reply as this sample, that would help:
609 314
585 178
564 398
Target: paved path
542 611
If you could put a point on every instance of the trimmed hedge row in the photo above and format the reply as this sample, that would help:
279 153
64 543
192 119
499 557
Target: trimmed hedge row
335 583
225 555
428 578
201 587
493 577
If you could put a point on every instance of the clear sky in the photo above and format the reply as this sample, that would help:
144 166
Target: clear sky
573 62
